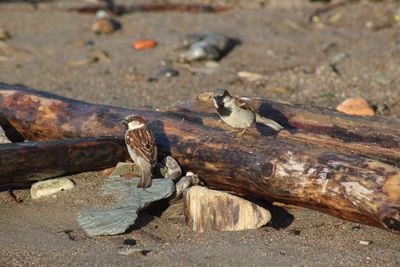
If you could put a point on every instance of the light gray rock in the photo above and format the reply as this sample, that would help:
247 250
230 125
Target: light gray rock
209 46
50 187
184 183
173 170
116 220
207 210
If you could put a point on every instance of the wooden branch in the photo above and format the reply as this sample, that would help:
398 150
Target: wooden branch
352 188
23 163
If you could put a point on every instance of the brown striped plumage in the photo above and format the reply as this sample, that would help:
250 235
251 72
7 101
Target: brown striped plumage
141 147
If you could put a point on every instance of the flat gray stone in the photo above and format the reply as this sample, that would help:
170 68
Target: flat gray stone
116 220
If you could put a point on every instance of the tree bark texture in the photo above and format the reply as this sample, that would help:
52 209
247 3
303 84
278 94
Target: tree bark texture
349 187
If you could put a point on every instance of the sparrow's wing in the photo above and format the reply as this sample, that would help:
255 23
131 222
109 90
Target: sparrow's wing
244 105
142 142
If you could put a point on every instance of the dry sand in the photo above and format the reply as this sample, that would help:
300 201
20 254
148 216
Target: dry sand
295 58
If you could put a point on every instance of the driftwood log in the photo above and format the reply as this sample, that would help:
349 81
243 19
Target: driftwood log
25 162
349 187
373 137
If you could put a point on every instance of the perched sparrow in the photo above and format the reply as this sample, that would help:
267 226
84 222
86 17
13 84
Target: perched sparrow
239 114
141 147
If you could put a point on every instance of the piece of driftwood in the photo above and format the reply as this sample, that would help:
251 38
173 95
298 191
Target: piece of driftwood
353 188
25 162
212 210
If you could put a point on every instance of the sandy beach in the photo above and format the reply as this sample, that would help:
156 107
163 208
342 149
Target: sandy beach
352 51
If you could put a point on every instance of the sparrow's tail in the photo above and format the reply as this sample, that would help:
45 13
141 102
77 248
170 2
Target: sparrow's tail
145 177
273 124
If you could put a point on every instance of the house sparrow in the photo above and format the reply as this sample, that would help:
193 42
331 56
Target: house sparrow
141 147
239 114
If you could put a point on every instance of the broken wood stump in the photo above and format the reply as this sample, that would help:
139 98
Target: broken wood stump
349 187
211 210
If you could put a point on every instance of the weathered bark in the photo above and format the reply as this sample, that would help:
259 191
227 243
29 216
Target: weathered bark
352 188
23 163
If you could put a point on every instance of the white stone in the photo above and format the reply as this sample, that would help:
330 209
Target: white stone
50 187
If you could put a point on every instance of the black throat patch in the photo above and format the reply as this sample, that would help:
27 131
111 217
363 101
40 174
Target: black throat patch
222 110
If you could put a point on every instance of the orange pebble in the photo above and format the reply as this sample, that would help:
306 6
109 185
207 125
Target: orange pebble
143 44
356 106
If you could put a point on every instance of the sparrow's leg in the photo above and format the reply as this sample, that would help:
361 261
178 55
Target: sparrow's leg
233 130
241 133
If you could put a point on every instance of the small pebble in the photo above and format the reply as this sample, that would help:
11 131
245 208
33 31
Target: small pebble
356 228
250 76
129 242
295 232
82 62
100 55
78 201
95 56
80 43
50 187
369 24
136 251
384 81
277 90
205 97
4 35
365 242
166 62
143 44
339 57
168 72
105 25
212 64
326 46
356 106
135 76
